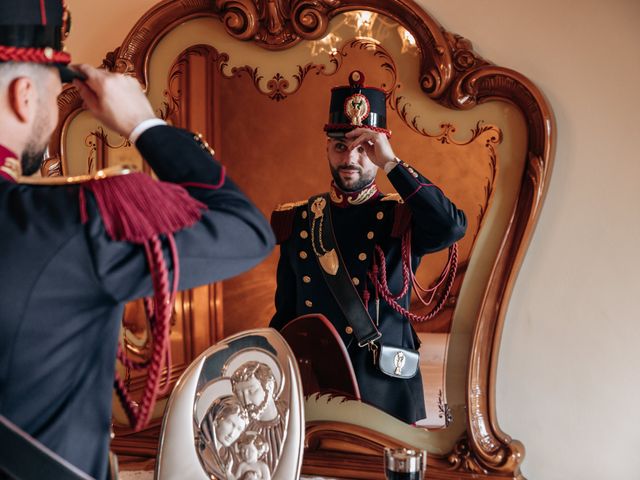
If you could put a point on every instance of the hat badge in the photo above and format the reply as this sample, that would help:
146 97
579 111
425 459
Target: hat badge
356 106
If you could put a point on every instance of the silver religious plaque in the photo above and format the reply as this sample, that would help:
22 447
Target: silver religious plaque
236 413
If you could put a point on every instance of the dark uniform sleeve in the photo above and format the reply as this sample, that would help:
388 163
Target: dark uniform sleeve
282 220
436 222
231 237
285 299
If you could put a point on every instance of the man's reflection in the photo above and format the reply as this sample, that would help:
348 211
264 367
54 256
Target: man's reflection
359 275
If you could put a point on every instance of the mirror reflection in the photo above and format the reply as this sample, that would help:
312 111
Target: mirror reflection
351 254
266 121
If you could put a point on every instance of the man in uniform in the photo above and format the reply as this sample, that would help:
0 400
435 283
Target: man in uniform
66 273
373 251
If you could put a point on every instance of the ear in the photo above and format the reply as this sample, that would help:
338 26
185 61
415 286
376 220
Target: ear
22 98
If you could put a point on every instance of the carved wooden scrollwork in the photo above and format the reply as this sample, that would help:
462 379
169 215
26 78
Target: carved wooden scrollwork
69 105
463 459
52 167
464 58
360 452
310 18
240 17
275 24
115 63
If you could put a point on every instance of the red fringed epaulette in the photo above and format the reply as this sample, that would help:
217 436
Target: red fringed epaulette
401 220
134 207
138 209
282 220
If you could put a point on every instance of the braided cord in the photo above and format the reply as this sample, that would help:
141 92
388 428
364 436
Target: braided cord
379 271
35 55
323 249
378 277
164 389
160 316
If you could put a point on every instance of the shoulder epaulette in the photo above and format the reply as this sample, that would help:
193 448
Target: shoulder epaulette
282 219
392 197
115 171
283 207
136 208
133 206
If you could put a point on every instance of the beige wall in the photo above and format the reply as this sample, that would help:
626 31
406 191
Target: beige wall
100 27
569 366
568 378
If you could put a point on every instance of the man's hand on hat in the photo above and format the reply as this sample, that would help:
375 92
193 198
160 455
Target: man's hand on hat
116 100
376 144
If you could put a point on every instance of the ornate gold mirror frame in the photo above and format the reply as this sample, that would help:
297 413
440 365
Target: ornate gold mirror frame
451 74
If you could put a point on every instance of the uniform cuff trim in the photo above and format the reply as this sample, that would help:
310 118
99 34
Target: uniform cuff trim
143 126
207 185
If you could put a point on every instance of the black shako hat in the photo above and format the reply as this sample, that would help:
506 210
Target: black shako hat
33 31
355 106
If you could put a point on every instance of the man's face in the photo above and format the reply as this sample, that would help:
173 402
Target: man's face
351 169
251 394
45 121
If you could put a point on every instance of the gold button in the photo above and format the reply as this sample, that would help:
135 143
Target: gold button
415 175
308 303
303 255
48 52
362 256
304 214
304 234
349 330
306 279
379 215
355 281
370 235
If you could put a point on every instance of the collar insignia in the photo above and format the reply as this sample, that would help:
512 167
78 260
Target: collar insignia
343 199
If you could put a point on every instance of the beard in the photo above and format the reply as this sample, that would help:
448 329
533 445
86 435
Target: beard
255 411
31 159
34 151
359 184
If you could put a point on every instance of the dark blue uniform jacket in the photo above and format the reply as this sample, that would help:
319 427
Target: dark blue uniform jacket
436 224
64 286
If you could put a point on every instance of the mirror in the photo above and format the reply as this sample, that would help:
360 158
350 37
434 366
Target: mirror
254 78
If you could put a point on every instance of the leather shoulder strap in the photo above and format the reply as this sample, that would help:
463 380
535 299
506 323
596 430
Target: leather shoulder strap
22 456
335 272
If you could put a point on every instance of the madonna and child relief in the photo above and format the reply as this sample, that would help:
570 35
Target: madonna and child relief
243 421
